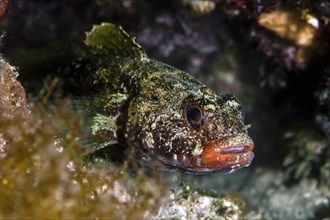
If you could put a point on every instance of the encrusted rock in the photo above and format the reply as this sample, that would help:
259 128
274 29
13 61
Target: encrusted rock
12 93
187 203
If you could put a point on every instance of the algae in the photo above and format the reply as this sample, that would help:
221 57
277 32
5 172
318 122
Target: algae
43 174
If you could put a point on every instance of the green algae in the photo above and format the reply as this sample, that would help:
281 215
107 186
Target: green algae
44 177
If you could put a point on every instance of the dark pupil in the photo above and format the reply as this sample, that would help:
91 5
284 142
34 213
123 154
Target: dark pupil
194 115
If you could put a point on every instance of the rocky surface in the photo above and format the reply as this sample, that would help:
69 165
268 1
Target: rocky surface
265 196
187 203
12 94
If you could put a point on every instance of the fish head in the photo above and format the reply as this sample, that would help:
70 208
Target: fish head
221 140
188 126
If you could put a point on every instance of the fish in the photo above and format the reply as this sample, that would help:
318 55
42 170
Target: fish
159 112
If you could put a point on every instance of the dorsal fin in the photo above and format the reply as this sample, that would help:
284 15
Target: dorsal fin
111 40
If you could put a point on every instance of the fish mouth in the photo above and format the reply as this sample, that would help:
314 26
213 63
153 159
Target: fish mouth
227 154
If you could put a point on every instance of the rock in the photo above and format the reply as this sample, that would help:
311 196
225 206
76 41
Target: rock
187 203
12 93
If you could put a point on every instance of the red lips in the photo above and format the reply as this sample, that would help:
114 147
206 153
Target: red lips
222 155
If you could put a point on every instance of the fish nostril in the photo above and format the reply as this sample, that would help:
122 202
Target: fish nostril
227 97
228 100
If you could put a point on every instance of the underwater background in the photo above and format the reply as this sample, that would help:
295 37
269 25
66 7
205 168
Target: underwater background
272 55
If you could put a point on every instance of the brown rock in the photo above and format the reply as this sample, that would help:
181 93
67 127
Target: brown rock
12 93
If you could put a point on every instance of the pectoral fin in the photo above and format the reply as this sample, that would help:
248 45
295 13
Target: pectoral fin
100 117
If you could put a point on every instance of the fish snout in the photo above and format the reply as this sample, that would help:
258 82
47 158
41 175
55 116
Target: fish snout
228 154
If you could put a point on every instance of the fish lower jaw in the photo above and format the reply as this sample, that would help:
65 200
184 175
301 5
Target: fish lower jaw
225 155
219 163
226 163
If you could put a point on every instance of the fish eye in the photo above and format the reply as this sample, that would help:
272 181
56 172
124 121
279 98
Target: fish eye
194 116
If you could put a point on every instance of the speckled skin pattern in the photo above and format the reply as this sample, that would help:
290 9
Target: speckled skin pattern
163 113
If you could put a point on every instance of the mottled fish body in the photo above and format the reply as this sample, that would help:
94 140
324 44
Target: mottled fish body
160 112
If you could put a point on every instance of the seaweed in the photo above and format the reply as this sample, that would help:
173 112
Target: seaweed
43 174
